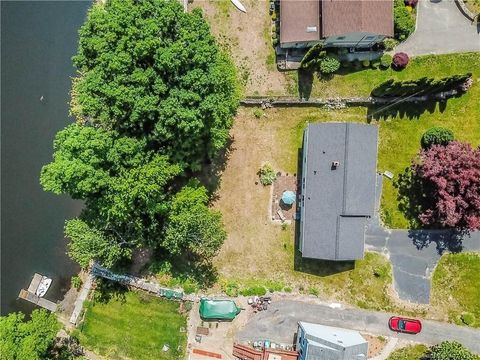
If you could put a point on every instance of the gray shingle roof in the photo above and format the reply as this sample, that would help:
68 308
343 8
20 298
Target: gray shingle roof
336 202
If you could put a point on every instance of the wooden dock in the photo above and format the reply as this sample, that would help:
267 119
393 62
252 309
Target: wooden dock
29 295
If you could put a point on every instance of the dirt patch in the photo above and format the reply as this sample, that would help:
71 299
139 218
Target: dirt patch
247 37
280 211
375 344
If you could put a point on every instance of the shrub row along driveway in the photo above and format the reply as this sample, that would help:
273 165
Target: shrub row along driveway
441 29
415 253
279 323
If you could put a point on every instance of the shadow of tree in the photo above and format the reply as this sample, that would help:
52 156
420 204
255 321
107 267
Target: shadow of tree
403 110
411 198
305 83
450 240
107 290
211 174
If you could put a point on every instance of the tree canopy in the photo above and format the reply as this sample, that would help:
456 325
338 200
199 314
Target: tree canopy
450 350
192 227
27 340
126 188
451 180
148 70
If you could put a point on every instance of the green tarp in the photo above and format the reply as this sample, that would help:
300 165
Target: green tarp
218 309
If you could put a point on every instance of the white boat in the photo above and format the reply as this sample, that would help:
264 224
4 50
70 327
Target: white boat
43 286
239 5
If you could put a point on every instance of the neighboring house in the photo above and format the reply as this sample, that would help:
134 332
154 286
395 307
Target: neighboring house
354 24
338 189
319 342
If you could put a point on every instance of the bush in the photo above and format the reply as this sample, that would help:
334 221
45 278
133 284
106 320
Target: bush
404 21
313 57
329 65
258 113
468 318
314 291
357 65
76 282
436 136
267 174
366 63
400 61
231 289
253 291
411 3
346 64
389 43
287 289
376 64
385 61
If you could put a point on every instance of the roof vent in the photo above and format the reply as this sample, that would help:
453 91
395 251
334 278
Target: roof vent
311 29
335 165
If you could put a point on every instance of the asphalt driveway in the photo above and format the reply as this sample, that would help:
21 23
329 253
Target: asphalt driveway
279 323
441 29
414 253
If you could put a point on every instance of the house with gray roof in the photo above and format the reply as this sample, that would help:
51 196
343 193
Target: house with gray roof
338 189
319 342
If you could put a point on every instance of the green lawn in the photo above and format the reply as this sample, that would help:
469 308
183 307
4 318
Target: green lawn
412 352
456 286
135 326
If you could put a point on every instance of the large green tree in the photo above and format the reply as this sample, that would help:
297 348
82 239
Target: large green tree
126 188
191 227
149 70
27 340
450 350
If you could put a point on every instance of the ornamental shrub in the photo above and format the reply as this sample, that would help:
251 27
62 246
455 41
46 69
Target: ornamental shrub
267 174
389 43
400 61
76 282
366 63
411 3
376 63
385 61
404 21
436 136
329 65
313 57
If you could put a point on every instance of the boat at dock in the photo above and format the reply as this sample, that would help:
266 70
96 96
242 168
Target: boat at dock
43 286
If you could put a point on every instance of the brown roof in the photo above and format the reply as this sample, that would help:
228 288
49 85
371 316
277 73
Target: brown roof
346 16
299 20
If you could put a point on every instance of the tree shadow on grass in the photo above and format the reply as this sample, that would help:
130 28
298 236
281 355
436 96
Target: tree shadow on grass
305 83
410 110
411 198
211 174
107 290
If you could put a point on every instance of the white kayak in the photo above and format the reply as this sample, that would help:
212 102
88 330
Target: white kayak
43 286
239 5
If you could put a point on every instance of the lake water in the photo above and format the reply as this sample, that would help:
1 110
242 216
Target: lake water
37 43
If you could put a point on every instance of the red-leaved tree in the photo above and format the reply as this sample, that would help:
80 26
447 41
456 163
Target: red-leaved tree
451 178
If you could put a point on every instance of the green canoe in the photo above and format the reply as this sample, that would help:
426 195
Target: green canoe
218 309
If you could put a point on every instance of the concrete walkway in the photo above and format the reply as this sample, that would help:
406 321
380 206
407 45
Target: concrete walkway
279 324
414 253
441 29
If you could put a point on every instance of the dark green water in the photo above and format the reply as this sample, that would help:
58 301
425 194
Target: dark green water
38 40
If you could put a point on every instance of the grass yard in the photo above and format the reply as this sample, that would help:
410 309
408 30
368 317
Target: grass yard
134 326
412 352
456 287
258 249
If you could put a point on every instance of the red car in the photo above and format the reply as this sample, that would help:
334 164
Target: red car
405 325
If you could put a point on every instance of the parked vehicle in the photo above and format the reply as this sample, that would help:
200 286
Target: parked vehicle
405 325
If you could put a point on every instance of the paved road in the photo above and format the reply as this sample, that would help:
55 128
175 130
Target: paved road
279 323
441 29
414 253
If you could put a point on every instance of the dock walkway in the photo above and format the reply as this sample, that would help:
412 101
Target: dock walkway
30 295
